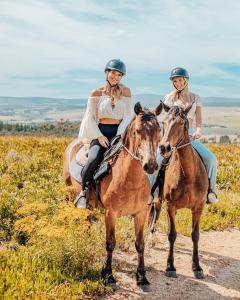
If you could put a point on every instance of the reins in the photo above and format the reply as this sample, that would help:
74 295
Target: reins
132 154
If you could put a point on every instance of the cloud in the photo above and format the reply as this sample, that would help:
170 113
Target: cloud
51 38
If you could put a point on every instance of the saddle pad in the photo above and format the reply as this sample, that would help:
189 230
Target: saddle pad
75 170
82 154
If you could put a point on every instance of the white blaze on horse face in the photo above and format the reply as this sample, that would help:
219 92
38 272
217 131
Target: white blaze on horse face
172 132
148 150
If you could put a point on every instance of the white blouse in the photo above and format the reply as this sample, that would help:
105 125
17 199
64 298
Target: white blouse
170 101
100 107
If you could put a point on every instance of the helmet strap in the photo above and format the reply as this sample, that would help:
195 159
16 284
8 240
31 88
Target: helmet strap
109 81
111 84
179 91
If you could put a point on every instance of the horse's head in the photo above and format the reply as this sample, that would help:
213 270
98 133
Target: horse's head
143 136
175 128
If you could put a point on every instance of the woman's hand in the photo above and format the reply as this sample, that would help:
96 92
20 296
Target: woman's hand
197 134
103 141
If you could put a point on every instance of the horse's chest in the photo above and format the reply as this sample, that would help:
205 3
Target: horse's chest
177 188
173 178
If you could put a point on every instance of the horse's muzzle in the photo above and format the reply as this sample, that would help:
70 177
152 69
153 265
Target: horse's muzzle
165 148
150 167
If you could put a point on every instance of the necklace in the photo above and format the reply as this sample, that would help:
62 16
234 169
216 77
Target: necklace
112 102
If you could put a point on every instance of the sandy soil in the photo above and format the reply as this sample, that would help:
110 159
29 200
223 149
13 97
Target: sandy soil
227 116
219 257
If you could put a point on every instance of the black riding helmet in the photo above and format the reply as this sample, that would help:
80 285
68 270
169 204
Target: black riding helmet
117 65
179 72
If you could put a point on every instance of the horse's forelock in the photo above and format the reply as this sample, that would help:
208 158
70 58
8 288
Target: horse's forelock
146 117
177 111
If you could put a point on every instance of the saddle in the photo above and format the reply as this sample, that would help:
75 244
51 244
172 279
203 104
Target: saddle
80 159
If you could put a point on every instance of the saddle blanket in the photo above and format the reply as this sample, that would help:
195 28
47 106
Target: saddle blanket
76 170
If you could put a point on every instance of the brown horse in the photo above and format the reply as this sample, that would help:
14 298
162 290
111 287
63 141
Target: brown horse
125 191
186 181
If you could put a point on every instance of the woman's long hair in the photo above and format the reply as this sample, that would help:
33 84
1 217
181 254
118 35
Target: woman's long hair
175 95
114 92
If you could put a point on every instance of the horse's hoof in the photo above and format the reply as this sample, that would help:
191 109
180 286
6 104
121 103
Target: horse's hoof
142 280
145 287
171 274
113 286
199 274
109 280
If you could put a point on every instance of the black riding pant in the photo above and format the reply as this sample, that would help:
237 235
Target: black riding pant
96 152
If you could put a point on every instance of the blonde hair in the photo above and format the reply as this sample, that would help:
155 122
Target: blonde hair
175 94
114 92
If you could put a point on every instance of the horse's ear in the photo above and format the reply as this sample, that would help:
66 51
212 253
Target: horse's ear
158 109
165 107
186 110
138 108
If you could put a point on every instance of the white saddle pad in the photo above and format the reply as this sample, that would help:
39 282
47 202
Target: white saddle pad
82 154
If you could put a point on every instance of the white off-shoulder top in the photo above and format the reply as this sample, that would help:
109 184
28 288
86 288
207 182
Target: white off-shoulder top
193 98
100 107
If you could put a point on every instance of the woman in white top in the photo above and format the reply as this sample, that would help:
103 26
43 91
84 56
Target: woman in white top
108 114
183 97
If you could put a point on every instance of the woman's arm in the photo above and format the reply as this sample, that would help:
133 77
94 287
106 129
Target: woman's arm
198 133
89 128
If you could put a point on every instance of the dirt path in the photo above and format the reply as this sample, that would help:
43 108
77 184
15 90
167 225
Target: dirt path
220 260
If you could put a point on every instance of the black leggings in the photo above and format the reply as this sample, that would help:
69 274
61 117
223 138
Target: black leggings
96 152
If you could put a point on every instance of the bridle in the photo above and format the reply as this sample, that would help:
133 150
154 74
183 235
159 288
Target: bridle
132 154
124 147
178 144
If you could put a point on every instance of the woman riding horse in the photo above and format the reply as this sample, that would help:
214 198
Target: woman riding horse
182 97
108 114
125 190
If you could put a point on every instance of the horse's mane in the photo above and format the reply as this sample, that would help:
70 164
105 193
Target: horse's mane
177 111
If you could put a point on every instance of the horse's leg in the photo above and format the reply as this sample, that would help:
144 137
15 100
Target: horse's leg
110 220
139 221
198 272
172 235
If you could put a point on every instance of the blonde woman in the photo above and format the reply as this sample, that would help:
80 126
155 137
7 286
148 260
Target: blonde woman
108 114
183 97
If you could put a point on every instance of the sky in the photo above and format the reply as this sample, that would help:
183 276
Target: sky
60 48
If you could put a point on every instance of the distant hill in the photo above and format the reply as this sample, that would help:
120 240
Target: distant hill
151 100
43 109
146 99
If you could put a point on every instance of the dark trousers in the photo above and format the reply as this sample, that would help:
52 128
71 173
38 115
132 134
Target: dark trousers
96 152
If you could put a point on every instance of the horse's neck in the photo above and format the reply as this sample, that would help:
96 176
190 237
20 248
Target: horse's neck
185 157
131 168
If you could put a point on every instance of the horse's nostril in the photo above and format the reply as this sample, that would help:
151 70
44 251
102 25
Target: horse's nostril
145 167
150 167
162 148
168 148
